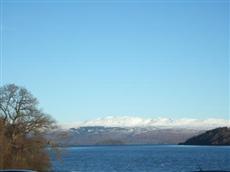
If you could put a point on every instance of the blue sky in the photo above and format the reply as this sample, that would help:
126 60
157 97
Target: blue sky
85 60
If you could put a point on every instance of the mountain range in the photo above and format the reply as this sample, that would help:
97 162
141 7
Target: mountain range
132 130
160 122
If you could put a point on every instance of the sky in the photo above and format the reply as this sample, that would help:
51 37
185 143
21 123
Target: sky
90 59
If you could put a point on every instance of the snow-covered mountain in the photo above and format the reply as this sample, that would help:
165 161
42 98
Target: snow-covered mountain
128 121
133 130
99 135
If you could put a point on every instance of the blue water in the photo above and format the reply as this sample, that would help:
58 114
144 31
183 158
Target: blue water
149 158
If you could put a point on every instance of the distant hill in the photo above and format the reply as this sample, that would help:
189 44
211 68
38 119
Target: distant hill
118 130
99 135
218 136
110 142
131 122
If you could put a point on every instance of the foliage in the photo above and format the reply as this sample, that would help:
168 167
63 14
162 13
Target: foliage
218 136
22 129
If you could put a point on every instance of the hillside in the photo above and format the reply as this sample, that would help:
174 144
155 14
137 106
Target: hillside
218 136
118 130
99 135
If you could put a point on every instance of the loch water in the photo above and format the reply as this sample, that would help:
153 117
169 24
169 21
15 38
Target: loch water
142 158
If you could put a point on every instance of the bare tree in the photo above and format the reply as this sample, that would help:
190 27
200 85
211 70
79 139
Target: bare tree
22 125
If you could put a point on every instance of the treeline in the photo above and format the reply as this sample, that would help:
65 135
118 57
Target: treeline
22 128
218 136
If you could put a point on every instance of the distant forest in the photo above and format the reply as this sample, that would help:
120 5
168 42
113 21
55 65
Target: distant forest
218 136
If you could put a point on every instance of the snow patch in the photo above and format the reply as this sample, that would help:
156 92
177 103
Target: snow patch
129 121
